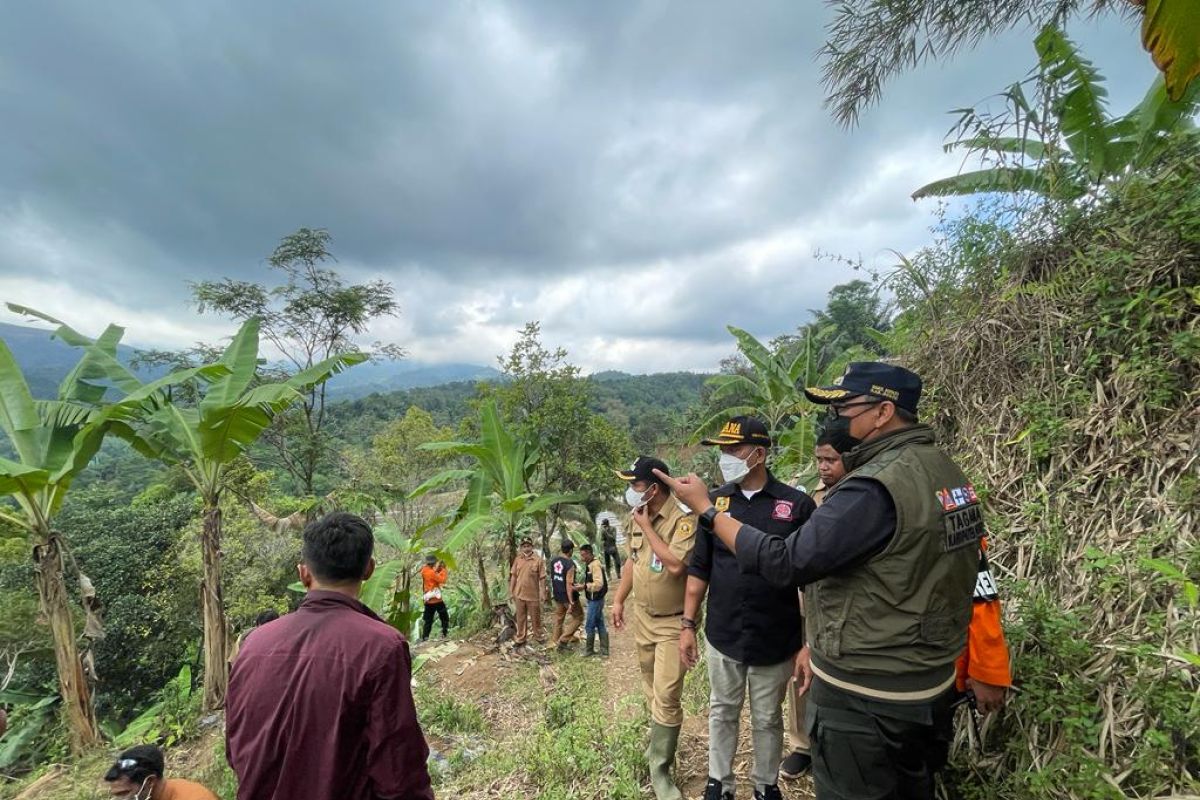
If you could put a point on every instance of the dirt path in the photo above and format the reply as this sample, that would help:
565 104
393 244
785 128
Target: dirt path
624 680
477 670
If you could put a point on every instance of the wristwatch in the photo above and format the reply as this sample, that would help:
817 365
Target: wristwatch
686 622
706 519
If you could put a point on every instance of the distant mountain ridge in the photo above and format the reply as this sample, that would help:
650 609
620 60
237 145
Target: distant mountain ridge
46 360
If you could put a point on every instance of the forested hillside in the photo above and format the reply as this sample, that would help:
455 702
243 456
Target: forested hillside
1053 316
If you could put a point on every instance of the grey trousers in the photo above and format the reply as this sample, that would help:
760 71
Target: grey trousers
767 685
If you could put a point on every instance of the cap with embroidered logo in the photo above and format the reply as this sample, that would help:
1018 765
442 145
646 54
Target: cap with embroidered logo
643 470
741 430
875 379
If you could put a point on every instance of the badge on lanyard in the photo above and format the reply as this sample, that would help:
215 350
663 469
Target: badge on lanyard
655 564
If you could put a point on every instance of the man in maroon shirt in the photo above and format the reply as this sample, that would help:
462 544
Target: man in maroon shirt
319 703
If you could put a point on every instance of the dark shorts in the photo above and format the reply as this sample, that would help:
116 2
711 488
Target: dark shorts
874 750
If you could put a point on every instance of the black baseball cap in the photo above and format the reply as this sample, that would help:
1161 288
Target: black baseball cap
526 540
741 430
137 763
642 470
874 379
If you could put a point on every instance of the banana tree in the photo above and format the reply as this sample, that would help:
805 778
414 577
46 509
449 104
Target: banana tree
54 440
498 498
233 411
773 391
1064 145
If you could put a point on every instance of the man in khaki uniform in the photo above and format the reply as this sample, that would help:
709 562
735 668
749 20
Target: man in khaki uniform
527 588
828 456
661 539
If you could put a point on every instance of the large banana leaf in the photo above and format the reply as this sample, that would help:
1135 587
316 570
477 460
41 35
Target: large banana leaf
18 478
241 358
323 370
1147 128
502 461
468 528
1081 107
377 590
998 179
545 502
99 362
18 415
1171 34
440 480
225 431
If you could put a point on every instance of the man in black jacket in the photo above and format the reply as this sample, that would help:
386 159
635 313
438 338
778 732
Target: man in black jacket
753 628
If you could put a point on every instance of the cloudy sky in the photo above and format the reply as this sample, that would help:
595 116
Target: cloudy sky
634 175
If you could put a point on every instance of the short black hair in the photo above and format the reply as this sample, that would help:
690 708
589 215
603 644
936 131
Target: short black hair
567 545
604 522
337 547
906 416
264 617
586 546
137 763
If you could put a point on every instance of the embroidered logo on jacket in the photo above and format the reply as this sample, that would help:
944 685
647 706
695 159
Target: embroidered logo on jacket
783 509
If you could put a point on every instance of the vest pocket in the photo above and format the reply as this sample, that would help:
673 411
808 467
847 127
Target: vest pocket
939 629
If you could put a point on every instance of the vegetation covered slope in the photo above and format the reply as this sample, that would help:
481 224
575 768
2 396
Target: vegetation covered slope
1062 360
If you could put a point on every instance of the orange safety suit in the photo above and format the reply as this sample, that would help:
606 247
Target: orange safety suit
986 656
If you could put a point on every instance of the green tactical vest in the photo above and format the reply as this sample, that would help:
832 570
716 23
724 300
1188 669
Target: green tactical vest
900 620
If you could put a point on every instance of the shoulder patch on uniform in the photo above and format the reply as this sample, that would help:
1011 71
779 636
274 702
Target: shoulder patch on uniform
964 527
686 526
721 503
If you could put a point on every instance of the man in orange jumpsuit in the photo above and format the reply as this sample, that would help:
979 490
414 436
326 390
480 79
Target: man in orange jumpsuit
433 577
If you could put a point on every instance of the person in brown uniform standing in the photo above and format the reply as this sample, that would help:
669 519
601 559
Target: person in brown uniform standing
660 544
527 588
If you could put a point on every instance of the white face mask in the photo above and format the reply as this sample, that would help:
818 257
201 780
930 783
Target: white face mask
634 498
733 469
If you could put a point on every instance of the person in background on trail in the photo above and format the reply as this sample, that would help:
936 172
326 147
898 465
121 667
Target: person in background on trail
527 588
828 454
137 774
3 721
320 701
608 540
661 536
753 629
265 616
566 598
595 587
888 564
433 578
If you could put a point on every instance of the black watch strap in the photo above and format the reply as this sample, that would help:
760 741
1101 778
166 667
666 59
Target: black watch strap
707 518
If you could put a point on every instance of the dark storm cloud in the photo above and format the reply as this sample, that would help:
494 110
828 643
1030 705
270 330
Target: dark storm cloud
620 171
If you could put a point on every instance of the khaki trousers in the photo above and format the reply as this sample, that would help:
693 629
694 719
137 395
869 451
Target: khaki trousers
565 633
528 611
657 641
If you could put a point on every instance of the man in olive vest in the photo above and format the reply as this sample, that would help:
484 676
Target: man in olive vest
888 563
